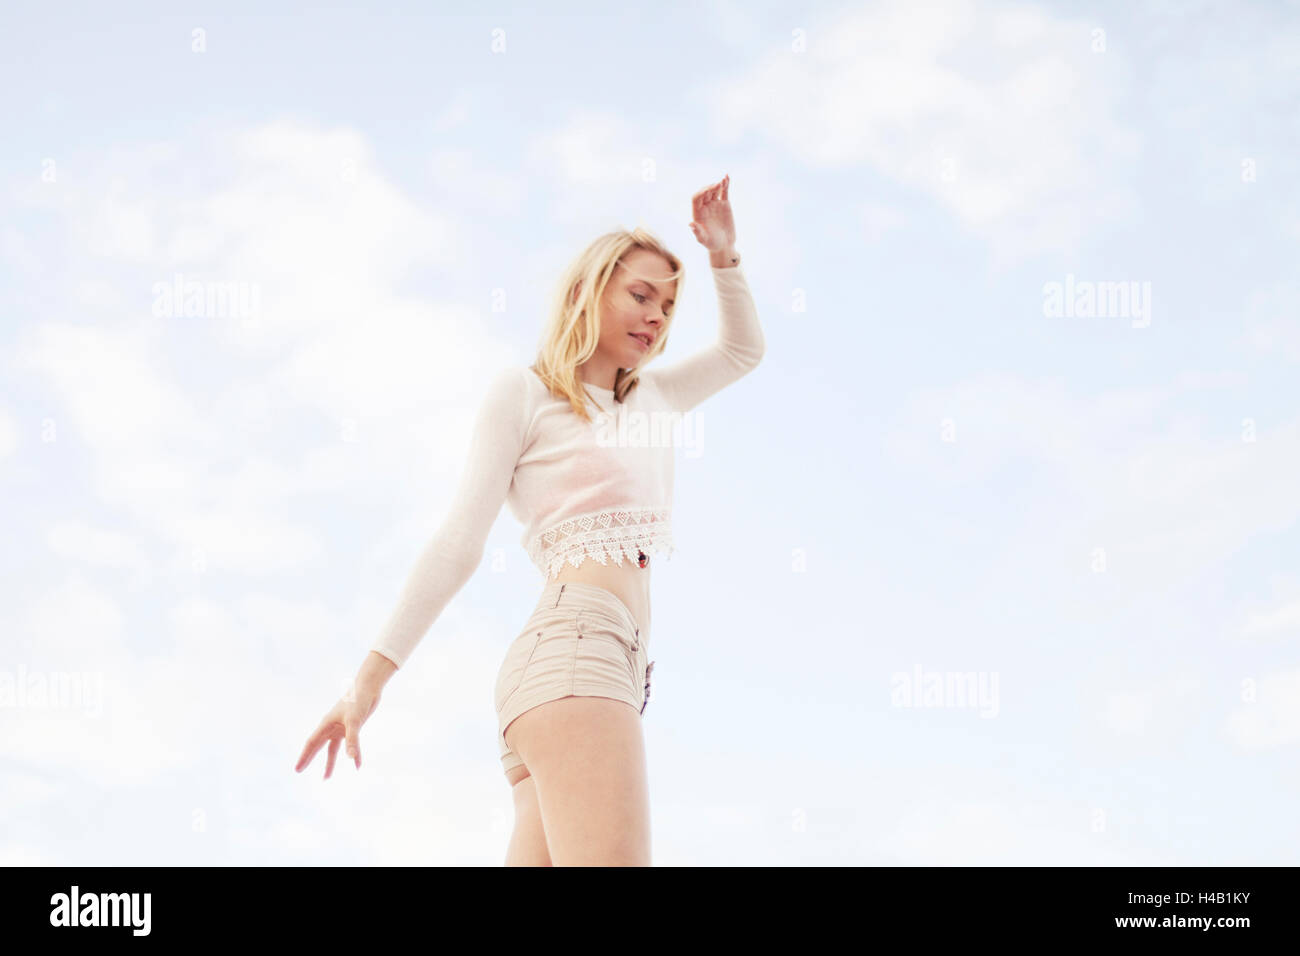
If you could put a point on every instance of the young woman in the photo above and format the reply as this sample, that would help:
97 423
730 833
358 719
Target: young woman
575 444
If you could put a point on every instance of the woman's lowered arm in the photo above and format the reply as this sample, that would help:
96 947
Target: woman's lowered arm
456 548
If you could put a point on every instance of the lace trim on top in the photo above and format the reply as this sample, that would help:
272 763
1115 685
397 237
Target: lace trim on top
603 535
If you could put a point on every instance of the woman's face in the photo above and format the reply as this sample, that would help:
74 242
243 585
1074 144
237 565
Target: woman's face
634 311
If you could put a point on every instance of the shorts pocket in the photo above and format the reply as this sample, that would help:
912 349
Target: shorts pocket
526 649
595 627
511 674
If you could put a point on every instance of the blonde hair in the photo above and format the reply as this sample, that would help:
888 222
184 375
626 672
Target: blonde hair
573 327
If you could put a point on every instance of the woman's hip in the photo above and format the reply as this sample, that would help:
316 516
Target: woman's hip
578 639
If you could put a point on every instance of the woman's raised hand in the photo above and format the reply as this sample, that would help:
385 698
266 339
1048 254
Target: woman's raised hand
343 722
713 225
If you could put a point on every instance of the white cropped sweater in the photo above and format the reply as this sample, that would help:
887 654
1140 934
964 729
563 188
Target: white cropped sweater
600 490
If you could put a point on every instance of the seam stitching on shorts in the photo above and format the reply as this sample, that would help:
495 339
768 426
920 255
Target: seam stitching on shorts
523 672
577 643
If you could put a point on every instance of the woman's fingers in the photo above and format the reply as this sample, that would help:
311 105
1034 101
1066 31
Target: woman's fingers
705 195
354 745
304 758
702 211
333 752
341 725
709 194
314 743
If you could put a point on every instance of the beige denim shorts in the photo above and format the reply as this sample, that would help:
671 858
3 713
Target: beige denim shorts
581 641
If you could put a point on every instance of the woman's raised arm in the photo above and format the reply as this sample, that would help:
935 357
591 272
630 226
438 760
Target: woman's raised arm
737 351
740 343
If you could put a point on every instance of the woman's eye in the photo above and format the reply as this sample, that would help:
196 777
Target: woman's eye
640 298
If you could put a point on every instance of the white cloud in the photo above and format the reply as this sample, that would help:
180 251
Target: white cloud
592 149
75 636
75 625
121 228
1158 494
154 450
17 248
19 855
377 368
112 382
1279 622
1272 721
78 541
8 433
1156 714
461 173
183 416
1273 316
997 111
595 167
989 833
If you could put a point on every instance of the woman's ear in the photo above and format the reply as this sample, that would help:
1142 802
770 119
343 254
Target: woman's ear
577 288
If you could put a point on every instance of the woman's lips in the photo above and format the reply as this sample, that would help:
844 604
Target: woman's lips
640 341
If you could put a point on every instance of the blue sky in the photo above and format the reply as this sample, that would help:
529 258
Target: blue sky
1092 518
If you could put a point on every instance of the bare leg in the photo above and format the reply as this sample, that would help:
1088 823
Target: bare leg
586 757
528 842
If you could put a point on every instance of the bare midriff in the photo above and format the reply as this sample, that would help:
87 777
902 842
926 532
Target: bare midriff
629 582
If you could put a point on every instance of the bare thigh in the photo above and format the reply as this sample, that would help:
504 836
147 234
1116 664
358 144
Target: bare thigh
528 841
586 758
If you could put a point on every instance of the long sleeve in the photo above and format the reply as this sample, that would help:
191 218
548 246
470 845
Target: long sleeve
456 549
737 351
